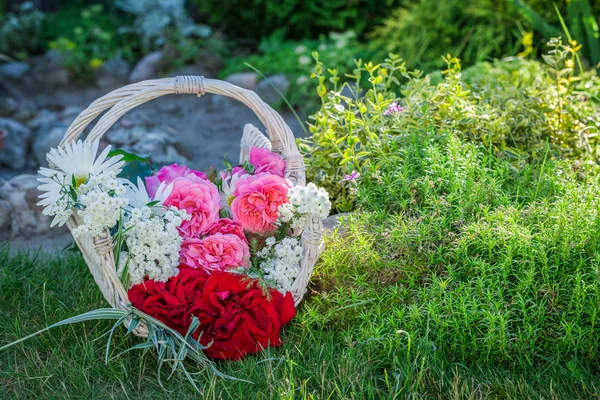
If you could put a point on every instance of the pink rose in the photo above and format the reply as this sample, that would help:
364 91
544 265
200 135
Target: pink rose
257 199
264 160
216 252
197 197
168 173
226 226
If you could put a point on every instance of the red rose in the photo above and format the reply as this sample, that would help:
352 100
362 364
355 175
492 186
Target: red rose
172 302
238 318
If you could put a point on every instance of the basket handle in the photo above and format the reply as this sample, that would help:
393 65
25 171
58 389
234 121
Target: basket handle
124 99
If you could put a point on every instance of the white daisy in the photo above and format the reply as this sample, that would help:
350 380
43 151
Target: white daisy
228 187
75 162
138 195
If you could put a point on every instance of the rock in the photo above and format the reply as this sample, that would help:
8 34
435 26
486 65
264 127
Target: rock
334 222
14 152
113 73
26 217
246 80
5 216
14 71
147 67
44 116
50 70
46 137
8 106
268 93
160 143
68 115
26 110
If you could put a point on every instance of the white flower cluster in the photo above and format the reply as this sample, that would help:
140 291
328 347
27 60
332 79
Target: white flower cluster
101 199
304 201
282 262
61 209
153 243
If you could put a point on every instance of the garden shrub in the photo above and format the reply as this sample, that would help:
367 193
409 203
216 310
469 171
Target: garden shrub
297 19
474 262
21 32
520 110
471 30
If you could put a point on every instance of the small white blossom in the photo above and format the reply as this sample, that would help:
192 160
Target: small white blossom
154 243
101 206
282 264
304 201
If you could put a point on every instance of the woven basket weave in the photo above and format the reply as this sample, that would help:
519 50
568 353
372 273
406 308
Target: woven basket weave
98 252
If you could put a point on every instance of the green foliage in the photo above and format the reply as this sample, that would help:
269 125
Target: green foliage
582 25
472 30
21 32
293 59
460 278
298 19
93 40
520 110
479 263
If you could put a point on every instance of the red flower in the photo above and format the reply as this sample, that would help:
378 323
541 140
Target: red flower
238 318
172 302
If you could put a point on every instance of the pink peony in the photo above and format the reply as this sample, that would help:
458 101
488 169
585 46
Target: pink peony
264 160
226 226
168 174
257 199
216 252
197 197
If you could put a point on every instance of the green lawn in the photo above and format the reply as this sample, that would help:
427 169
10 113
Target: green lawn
460 277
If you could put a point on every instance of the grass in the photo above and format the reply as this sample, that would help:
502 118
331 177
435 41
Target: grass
461 277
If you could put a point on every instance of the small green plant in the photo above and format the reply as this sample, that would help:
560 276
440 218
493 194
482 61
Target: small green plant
89 45
21 32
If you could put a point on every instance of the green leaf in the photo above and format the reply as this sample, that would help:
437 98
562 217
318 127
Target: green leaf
101 313
129 156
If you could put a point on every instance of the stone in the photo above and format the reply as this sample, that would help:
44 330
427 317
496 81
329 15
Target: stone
268 93
8 106
14 71
26 110
147 67
68 115
50 69
160 142
14 151
334 222
246 80
46 137
113 73
5 216
44 116
26 217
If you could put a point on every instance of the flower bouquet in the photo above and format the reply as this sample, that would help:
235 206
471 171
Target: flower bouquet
203 266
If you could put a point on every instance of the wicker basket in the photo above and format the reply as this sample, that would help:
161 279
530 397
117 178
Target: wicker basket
98 252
